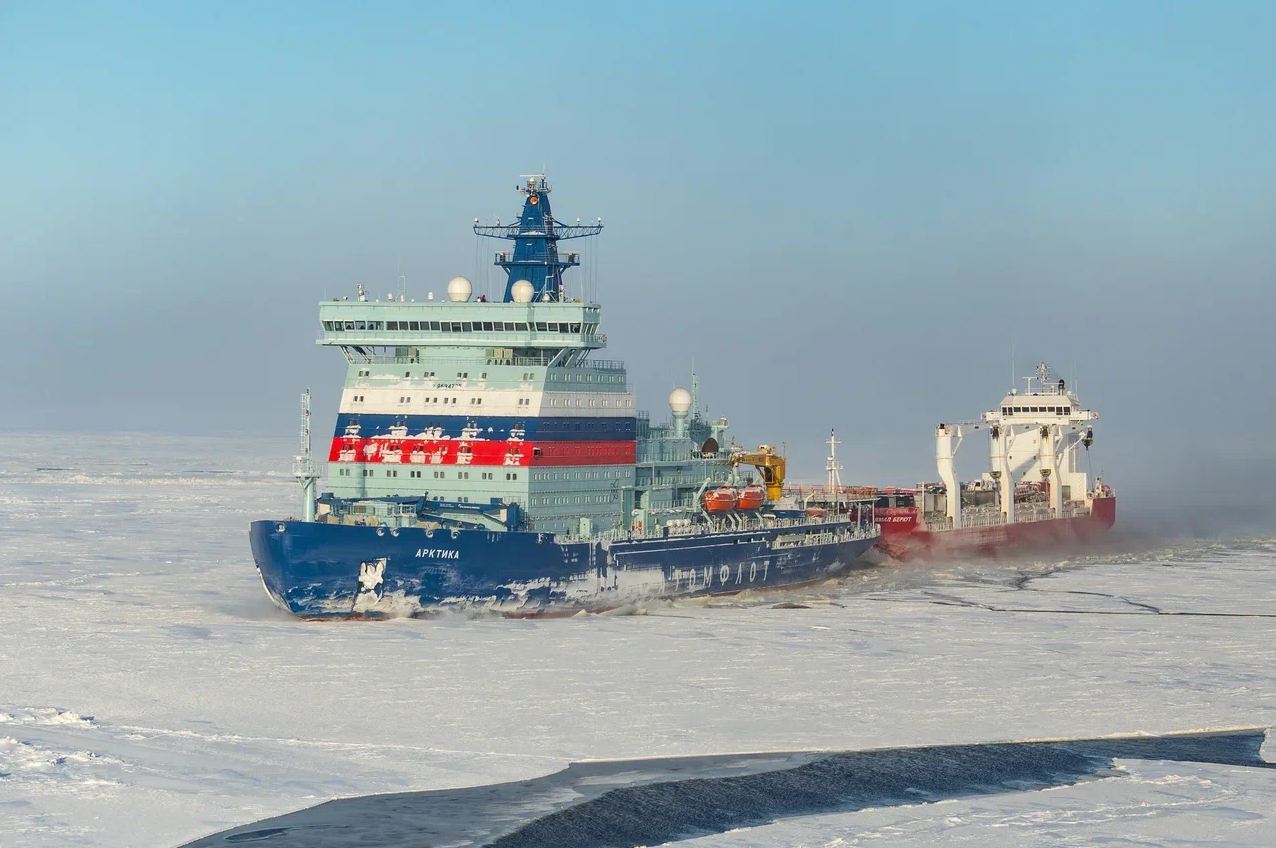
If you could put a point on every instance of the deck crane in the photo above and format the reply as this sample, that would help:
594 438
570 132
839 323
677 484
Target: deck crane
769 464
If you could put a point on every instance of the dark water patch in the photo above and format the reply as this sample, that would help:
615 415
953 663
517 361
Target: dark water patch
628 803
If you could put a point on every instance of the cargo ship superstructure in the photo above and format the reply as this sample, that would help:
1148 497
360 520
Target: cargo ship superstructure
1035 492
484 455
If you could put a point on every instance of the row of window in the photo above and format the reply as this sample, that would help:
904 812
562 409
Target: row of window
587 377
564 500
595 402
459 326
438 475
574 475
1047 410
478 401
474 401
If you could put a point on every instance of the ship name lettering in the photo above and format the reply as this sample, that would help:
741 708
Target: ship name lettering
437 553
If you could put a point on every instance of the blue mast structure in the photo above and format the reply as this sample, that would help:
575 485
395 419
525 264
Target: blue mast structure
535 257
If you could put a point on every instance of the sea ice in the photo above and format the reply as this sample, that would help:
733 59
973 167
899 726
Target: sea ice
131 599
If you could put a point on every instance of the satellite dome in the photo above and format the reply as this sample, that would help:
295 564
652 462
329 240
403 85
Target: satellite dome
680 401
459 289
522 291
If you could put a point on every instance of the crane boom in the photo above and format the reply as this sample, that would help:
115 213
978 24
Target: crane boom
769 464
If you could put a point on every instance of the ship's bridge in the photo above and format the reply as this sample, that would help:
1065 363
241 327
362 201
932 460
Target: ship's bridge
552 324
1047 402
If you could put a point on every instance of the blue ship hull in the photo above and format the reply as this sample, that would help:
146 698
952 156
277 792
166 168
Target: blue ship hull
318 570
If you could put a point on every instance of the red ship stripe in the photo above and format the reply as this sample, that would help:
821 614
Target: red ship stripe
585 453
423 452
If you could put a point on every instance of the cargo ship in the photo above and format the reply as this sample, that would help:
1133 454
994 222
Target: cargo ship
485 456
1035 493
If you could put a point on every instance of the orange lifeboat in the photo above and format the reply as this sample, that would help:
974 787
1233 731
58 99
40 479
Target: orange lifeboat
721 499
752 496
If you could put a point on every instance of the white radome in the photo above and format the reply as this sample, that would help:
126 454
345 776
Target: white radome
459 289
522 291
680 401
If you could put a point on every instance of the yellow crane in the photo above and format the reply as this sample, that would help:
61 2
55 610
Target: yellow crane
769 464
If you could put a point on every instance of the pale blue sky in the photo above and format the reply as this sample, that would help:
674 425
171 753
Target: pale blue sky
841 212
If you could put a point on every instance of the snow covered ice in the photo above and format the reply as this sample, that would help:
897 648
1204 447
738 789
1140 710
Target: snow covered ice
150 694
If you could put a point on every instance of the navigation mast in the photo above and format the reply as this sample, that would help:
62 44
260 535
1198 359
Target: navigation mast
303 466
535 257
834 469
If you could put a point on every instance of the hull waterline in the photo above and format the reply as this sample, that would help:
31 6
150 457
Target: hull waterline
316 570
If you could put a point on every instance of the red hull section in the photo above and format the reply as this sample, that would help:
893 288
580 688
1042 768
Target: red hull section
903 539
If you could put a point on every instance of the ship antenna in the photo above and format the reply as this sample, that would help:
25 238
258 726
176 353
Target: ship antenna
1012 363
303 466
834 469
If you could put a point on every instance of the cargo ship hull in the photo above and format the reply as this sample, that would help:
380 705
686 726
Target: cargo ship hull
903 539
317 570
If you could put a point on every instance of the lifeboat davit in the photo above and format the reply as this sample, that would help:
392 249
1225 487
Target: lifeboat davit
752 496
721 499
